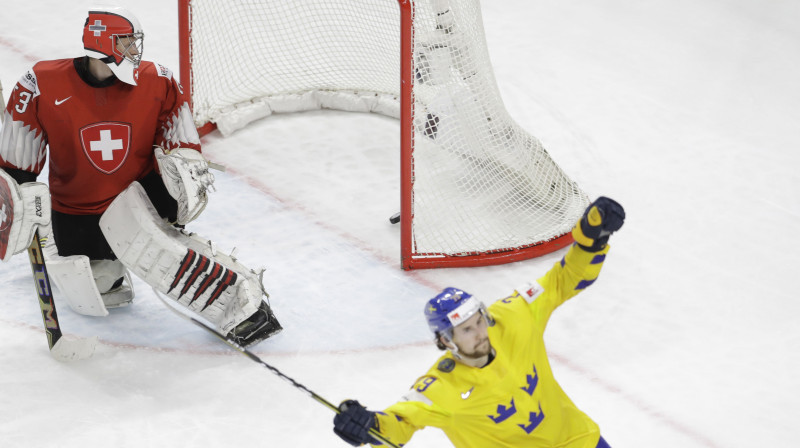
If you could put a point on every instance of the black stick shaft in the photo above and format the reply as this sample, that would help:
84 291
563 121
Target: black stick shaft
42 282
294 383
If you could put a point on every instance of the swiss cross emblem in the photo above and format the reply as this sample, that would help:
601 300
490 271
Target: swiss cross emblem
106 145
6 216
98 28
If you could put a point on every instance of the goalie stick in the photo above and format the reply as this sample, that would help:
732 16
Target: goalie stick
271 368
60 348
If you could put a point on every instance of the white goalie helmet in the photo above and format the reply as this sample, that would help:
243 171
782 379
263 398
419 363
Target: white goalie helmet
113 35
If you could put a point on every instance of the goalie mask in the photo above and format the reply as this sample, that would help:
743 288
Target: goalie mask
113 35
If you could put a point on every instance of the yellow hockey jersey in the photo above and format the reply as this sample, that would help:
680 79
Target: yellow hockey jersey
514 401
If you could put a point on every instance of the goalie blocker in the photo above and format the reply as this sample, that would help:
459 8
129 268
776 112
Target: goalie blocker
187 269
23 209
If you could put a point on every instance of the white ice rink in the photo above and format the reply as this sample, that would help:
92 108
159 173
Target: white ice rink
685 111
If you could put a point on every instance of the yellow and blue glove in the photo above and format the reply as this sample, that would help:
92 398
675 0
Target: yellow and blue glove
602 218
353 422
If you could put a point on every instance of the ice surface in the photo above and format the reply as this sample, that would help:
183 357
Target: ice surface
684 111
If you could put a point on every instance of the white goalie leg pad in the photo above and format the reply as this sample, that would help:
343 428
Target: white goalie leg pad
73 277
88 285
182 266
23 209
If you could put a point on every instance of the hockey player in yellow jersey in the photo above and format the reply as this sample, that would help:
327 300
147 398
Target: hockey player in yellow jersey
494 386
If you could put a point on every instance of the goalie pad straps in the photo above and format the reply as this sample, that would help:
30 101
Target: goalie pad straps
186 176
23 209
182 266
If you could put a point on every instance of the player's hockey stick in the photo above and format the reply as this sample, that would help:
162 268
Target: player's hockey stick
271 368
60 348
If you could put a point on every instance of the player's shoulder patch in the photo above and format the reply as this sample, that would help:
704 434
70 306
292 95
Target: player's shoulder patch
446 365
28 81
530 291
163 71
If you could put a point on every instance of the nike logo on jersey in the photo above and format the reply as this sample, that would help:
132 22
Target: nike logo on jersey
465 395
58 101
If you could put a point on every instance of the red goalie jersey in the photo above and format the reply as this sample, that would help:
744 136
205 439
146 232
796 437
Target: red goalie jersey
101 137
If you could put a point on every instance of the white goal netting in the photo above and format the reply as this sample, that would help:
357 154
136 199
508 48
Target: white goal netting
478 187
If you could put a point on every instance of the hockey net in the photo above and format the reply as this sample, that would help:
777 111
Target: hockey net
476 188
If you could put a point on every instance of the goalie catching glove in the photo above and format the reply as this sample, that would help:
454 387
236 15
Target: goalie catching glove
186 176
602 218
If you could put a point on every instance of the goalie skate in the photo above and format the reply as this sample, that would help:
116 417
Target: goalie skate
256 328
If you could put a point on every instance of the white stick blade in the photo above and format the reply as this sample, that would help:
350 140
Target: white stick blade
73 349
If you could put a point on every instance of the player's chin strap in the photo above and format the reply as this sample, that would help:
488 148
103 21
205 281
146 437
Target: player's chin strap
453 349
450 346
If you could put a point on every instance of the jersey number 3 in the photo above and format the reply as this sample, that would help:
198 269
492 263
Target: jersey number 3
22 104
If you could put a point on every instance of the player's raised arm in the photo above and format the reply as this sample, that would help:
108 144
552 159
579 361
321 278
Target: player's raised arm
581 265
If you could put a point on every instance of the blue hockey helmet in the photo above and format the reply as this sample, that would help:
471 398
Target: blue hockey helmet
450 308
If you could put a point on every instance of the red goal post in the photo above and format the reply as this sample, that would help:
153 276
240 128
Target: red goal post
476 188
